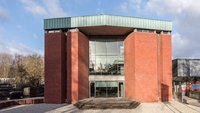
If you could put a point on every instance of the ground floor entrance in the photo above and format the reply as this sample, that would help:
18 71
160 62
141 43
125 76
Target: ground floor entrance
106 89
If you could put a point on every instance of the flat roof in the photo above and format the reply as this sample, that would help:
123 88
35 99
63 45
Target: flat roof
106 20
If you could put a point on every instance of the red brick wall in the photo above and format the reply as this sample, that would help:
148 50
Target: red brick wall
74 66
148 73
148 67
54 68
78 75
141 80
68 67
129 66
166 71
83 66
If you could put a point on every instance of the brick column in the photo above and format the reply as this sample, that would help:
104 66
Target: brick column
166 67
78 60
141 78
55 81
68 66
148 67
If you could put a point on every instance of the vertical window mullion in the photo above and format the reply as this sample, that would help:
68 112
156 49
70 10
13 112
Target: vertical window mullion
106 52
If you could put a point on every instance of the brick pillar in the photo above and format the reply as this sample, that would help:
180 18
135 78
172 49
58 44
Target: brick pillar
166 67
68 67
129 66
78 73
141 78
54 68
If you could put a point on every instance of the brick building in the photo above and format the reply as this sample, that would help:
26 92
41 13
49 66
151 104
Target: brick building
107 56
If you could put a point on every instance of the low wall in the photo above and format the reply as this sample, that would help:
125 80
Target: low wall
9 103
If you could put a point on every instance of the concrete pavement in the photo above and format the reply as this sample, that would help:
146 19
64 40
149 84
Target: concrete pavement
159 107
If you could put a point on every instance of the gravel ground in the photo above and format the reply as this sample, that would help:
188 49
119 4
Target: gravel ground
169 107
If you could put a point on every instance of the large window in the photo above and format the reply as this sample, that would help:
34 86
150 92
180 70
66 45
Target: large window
106 89
106 56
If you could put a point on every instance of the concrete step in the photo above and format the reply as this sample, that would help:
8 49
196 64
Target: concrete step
107 103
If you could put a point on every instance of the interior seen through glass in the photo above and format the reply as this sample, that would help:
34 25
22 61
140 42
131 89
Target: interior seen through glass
106 89
106 56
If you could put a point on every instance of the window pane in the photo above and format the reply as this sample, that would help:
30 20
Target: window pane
112 48
100 64
106 56
92 64
92 48
120 48
111 62
100 48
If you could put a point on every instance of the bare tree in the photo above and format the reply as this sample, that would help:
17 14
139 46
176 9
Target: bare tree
34 66
5 64
24 70
18 71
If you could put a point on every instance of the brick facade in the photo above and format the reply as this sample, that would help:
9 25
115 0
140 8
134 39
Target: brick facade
78 76
166 67
66 67
148 72
147 64
54 68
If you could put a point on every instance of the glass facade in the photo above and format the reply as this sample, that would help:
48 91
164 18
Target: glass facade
106 56
106 89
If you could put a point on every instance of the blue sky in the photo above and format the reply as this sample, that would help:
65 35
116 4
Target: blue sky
21 21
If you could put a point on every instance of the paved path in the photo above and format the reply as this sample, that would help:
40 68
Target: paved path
170 107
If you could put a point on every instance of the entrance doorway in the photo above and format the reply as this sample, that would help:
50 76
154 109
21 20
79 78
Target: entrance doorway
106 89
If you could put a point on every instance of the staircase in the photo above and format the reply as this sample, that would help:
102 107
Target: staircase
106 103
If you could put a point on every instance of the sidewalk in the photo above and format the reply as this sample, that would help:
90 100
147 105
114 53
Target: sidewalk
191 101
168 107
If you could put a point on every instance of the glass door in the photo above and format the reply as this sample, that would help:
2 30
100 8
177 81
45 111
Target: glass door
112 91
92 89
121 89
106 89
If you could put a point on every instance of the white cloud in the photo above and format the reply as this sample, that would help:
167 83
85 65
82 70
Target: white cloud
185 15
23 49
179 44
13 47
173 7
47 8
131 5
33 7
54 8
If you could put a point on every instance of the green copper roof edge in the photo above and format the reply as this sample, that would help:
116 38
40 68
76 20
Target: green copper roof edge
109 15
107 20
